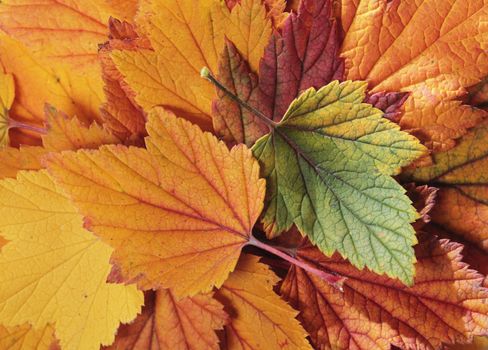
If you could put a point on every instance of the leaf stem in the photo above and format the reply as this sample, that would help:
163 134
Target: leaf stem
333 280
16 124
206 74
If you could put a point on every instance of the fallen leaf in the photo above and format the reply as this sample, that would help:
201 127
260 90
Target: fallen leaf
24 158
26 338
37 83
234 123
7 94
304 53
433 48
62 134
186 203
187 36
260 319
328 165
446 304
167 323
53 271
460 175
120 112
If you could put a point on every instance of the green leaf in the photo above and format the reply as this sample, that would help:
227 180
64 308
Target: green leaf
328 165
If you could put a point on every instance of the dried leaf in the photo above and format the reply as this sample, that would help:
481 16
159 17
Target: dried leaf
234 123
433 48
167 323
446 303
187 36
260 319
185 204
303 54
61 279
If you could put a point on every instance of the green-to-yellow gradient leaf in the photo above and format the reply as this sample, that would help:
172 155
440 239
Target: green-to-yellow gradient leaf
328 165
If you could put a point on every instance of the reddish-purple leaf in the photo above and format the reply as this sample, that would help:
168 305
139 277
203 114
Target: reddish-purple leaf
304 53
231 121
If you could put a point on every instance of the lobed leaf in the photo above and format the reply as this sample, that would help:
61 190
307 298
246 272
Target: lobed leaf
446 304
433 48
186 203
328 165
187 36
53 271
460 174
304 53
167 323
260 319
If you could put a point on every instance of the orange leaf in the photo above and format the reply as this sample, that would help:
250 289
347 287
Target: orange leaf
460 173
434 48
25 337
167 323
446 304
185 204
123 9
66 133
260 319
61 37
63 133
186 36
23 158
38 82
121 113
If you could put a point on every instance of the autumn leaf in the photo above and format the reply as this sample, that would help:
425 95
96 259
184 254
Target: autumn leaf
24 158
445 305
186 36
327 165
7 94
120 113
61 43
61 279
234 123
303 54
260 319
196 202
25 337
169 323
62 134
409 46
460 174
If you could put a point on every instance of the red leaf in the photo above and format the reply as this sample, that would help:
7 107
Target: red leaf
303 54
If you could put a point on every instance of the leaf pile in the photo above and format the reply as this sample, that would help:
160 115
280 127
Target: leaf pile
243 174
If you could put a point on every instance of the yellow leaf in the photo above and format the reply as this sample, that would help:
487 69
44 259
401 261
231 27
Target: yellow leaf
37 83
63 134
186 203
260 319
7 94
24 337
186 36
24 158
66 133
167 323
53 271
61 37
